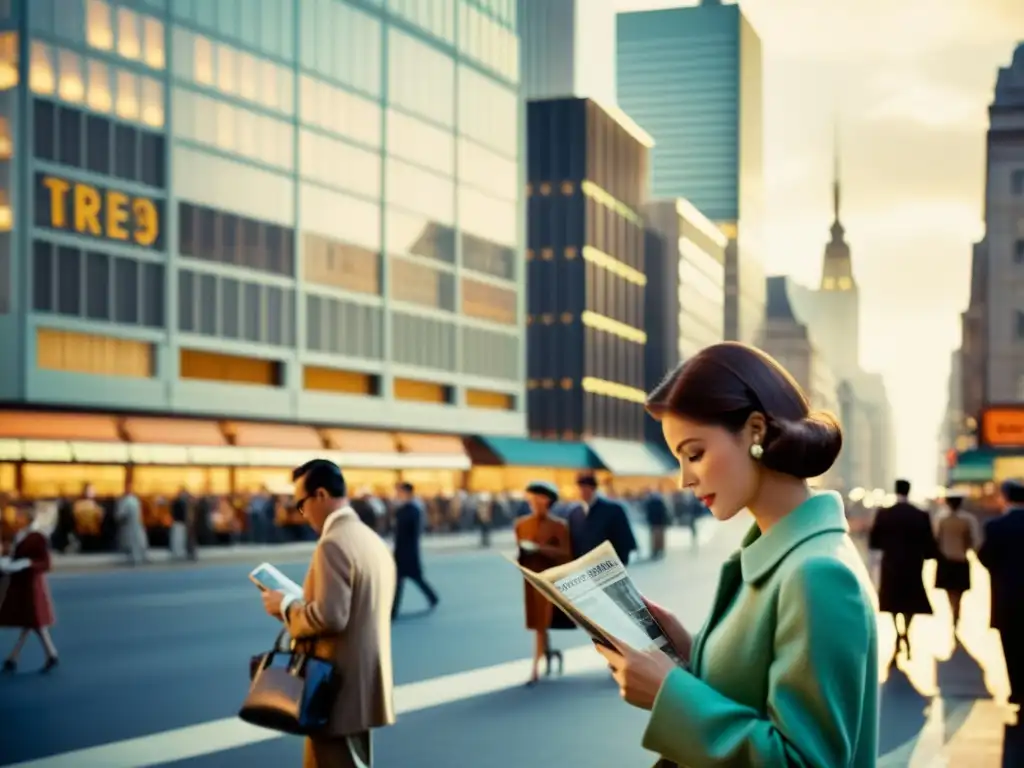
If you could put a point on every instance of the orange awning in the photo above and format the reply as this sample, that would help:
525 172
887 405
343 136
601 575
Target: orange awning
174 432
436 444
71 427
359 441
282 436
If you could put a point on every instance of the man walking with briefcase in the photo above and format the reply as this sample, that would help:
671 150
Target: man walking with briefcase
345 614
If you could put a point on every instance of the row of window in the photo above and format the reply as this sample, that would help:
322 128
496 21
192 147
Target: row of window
96 285
233 129
233 72
489 43
228 308
342 43
92 83
423 342
227 238
340 265
266 26
120 30
435 17
71 137
338 327
339 111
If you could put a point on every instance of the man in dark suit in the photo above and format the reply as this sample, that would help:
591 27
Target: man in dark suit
903 535
1003 554
599 519
408 530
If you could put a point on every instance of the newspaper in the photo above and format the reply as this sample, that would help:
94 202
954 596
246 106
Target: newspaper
596 592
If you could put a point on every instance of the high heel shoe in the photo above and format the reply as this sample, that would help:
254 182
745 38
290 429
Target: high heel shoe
558 655
547 662
10 667
50 665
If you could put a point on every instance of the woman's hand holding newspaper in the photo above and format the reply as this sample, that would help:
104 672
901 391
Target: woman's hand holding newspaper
674 630
640 674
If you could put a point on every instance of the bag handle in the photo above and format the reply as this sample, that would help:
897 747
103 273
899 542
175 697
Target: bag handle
298 657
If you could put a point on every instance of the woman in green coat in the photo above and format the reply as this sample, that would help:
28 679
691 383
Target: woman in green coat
785 670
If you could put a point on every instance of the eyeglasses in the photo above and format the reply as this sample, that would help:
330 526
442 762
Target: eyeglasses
301 502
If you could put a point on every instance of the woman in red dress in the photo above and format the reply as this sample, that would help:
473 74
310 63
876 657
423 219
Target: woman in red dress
25 601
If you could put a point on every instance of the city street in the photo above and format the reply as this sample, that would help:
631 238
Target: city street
154 667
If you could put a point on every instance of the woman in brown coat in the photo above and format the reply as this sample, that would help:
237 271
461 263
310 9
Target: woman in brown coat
25 601
543 543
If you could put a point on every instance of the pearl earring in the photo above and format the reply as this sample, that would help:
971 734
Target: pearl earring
756 451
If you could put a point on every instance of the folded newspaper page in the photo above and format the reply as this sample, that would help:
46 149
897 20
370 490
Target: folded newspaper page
596 592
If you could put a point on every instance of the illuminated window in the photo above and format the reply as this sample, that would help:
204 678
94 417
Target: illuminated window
127 95
225 126
41 76
98 31
6 217
98 96
845 284
153 42
226 68
8 60
152 102
247 76
128 43
268 81
6 141
245 125
203 64
70 86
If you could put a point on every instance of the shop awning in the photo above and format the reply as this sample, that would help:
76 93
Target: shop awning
70 427
975 466
173 431
625 458
525 452
432 451
276 445
361 449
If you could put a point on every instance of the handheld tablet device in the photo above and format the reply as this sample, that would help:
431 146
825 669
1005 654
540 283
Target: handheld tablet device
269 579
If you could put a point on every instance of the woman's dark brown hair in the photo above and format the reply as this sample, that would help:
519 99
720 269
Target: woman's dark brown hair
723 384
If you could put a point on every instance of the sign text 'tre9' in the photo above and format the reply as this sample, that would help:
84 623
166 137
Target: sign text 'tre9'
72 206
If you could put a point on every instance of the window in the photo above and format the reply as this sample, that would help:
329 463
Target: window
488 171
211 235
418 235
268 81
97 286
489 302
320 157
1018 252
127 95
98 97
6 140
70 87
340 265
98 30
1020 325
247 76
8 60
128 43
421 142
421 79
488 112
1017 182
153 42
418 190
203 64
340 111
152 102
6 222
226 68
41 73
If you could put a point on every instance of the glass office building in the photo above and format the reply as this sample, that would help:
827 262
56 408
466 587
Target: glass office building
692 77
296 211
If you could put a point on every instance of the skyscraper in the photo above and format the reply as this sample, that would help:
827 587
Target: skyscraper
567 49
692 77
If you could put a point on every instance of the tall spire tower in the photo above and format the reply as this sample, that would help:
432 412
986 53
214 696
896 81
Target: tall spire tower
837 271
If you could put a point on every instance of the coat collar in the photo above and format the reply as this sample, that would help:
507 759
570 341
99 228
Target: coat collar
760 554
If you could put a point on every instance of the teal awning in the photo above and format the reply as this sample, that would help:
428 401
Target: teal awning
625 458
524 452
973 467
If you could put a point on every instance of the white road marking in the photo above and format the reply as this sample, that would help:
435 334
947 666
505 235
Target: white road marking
231 733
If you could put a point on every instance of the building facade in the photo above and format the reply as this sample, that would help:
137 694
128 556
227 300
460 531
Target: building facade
301 211
567 48
1004 237
693 78
587 169
789 341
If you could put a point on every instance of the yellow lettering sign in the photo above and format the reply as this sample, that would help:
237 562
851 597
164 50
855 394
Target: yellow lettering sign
105 213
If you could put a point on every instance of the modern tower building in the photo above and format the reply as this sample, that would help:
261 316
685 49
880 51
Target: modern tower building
586 186
692 77
567 49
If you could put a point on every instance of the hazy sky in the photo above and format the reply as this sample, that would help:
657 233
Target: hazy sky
910 81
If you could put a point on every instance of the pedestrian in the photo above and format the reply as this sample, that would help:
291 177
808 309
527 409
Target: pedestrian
600 519
346 614
131 532
1002 552
409 521
956 534
657 520
25 601
904 537
785 671
543 543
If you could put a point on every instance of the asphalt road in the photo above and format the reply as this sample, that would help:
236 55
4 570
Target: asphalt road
149 651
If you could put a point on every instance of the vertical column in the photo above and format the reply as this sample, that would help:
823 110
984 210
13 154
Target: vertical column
387 377
293 375
458 391
167 352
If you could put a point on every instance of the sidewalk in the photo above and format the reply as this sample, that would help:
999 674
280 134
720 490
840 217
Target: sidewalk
947 705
